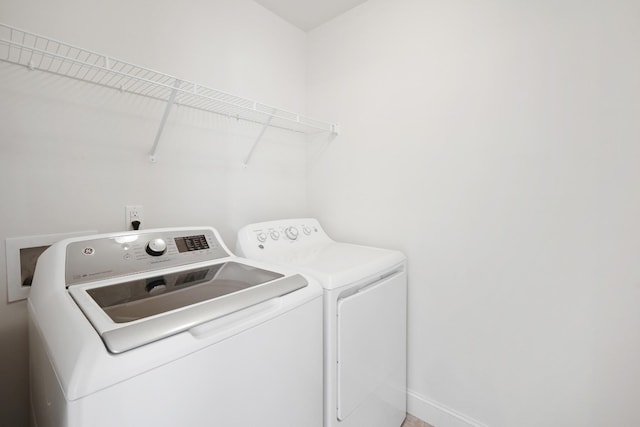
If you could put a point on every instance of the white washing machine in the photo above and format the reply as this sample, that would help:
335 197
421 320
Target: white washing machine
365 301
166 327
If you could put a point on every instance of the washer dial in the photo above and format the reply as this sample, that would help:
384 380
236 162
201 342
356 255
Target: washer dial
156 247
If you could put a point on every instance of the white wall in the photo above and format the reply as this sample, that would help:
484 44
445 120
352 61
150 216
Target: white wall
72 156
495 143
498 145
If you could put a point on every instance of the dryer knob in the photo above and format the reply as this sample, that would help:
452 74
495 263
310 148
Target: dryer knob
156 247
291 232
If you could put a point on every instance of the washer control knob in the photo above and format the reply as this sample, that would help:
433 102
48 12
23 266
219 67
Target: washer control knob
262 237
291 232
275 235
156 247
306 230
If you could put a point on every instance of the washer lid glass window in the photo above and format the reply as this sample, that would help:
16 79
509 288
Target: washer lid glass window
136 312
137 299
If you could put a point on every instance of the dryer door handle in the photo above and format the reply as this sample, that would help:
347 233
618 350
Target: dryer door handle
368 286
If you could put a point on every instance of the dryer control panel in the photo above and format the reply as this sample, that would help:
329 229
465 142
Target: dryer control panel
280 236
117 255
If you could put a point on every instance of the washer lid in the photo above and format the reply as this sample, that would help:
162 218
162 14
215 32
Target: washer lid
136 312
337 264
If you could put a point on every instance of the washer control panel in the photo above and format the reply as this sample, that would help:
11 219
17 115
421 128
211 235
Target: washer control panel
116 255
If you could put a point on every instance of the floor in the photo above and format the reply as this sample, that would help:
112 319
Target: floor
412 421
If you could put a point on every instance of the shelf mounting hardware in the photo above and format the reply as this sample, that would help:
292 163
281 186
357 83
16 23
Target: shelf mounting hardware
167 110
255 143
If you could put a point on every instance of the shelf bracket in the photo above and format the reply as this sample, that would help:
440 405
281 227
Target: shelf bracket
255 143
163 121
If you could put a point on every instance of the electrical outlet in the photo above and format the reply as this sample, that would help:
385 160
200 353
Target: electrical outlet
132 213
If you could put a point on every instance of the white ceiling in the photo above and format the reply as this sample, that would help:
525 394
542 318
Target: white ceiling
308 14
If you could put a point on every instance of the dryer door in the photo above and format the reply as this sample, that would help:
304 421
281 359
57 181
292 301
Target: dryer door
372 346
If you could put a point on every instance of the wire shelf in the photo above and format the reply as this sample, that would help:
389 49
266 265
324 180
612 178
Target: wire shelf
42 53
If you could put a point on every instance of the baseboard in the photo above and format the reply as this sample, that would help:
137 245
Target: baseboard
437 414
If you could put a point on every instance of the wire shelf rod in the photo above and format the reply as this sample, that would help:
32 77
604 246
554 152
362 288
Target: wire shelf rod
49 55
138 81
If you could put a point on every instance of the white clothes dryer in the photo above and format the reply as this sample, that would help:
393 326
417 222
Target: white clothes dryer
168 328
365 312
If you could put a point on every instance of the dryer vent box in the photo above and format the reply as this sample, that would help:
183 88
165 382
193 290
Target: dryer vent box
22 254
